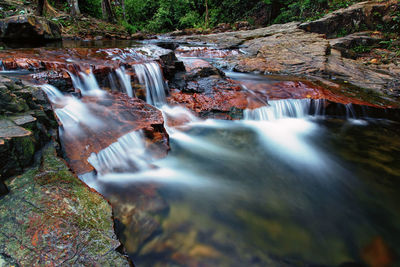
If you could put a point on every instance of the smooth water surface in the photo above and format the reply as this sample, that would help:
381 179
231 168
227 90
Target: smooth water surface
294 192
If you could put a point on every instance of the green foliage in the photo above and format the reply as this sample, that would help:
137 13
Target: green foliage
306 10
361 49
91 7
169 15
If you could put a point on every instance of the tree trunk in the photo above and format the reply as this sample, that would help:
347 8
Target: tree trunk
123 9
74 7
207 18
39 8
44 7
108 14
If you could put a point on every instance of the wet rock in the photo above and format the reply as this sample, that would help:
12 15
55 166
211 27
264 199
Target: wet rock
377 253
56 220
118 115
351 19
141 210
22 130
210 95
197 68
28 28
169 63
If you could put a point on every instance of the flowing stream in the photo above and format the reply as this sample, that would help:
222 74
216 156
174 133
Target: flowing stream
288 185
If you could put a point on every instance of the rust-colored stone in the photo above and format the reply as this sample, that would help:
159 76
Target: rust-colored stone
120 115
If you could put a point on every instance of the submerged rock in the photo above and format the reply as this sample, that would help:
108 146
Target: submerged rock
28 29
51 218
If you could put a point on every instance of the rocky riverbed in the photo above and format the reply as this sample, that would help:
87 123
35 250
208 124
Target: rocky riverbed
56 219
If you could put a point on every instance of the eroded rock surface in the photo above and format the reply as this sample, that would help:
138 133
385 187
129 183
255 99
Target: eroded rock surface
360 15
25 125
304 50
29 28
205 90
117 115
51 218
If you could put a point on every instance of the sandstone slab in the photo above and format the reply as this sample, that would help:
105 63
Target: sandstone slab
51 218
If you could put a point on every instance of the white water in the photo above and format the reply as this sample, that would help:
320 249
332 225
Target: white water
127 154
86 83
285 108
150 75
282 127
125 81
72 112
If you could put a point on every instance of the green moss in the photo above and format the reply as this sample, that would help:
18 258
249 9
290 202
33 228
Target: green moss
51 211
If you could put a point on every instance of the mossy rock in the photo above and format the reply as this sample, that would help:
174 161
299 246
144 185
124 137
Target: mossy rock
51 218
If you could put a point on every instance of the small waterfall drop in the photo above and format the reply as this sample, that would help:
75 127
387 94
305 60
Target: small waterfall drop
86 83
150 75
285 108
125 81
71 111
127 154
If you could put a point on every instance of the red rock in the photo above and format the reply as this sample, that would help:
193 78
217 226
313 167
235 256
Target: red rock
121 115
306 89
377 253
216 96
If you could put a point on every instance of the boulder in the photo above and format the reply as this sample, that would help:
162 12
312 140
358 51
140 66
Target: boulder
296 53
214 96
354 18
28 29
56 220
24 125
242 26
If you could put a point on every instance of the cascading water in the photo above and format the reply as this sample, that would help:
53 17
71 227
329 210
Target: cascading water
285 108
71 112
86 83
127 154
267 175
125 81
150 75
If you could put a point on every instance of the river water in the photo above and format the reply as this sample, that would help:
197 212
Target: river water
288 185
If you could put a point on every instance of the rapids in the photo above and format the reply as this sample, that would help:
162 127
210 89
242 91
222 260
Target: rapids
293 183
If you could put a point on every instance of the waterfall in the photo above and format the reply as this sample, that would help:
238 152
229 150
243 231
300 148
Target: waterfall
150 75
292 108
71 111
125 81
54 95
86 83
127 154
350 112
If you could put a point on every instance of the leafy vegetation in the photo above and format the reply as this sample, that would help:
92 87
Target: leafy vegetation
169 15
